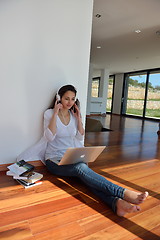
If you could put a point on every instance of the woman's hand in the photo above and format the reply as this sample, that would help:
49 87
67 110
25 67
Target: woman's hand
76 113
57 107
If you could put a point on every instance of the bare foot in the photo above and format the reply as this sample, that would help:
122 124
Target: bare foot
124 207
135 197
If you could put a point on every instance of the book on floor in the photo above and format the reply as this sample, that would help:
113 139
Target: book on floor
30 177
23 173
28 185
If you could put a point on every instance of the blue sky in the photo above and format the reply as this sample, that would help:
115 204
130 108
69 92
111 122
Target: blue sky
154 79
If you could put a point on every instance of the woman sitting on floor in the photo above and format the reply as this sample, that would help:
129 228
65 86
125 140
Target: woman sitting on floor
64 129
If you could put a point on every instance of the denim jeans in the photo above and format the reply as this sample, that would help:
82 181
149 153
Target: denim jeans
107 191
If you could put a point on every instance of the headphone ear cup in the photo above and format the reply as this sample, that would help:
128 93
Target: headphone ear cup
58 97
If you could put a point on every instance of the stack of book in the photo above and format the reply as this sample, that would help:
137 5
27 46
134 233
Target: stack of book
24 174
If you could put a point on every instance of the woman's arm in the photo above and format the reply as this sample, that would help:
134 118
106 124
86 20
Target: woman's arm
50 117
77 115
80 126
52 124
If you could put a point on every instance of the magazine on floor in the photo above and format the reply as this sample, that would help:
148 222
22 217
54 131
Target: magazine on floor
20 168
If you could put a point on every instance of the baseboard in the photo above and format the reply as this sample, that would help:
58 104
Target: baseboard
102 114
95 114
37 163
90 115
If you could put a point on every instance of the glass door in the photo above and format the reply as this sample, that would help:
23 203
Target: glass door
110 94
153 95
134 94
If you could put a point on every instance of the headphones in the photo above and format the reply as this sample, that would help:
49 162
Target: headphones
59 98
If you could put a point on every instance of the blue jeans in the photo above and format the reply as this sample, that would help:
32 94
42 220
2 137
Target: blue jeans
107 191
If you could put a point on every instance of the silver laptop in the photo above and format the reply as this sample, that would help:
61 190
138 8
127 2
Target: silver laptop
84 154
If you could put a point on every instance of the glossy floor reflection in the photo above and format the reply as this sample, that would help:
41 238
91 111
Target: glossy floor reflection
131 139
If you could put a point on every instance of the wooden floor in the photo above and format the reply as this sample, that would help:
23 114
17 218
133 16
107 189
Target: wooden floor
65 209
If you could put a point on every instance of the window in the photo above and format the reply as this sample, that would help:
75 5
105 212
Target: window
141 94
153 96
95 87
135 93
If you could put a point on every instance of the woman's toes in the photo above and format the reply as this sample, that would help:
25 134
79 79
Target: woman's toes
135 197
124 207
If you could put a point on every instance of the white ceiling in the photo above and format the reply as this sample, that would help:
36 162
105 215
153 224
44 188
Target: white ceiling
123 50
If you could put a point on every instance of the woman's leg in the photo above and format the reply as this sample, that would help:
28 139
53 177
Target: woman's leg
73 171
111 201
88 176
98 182
119 206
94 180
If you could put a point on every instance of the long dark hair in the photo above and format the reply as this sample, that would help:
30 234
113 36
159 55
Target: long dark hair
61 92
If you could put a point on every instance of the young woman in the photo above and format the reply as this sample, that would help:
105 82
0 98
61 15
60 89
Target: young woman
64 129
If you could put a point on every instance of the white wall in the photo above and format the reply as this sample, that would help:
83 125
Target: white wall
118 88
43 45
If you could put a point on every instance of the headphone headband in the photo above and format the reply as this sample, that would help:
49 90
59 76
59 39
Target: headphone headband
58 97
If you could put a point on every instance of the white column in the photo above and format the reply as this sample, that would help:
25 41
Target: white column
89 89
104 90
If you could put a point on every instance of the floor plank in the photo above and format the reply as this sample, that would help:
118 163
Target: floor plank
17 231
